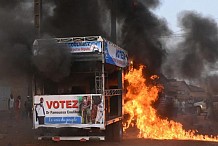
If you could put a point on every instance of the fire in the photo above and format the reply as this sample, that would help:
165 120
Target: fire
139 99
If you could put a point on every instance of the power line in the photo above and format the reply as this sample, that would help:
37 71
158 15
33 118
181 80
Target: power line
179 35
175 35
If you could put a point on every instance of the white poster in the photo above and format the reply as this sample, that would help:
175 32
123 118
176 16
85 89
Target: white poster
86 110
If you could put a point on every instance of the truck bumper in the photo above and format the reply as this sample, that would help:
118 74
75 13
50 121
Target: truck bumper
76 138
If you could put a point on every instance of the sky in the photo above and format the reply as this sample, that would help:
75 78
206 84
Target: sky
169 9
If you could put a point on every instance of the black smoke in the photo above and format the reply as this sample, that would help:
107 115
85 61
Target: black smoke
72 18
198 49
141 33
67 18
16 36
140 28
52 60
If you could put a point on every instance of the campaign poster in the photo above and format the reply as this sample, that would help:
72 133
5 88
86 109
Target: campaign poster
85 110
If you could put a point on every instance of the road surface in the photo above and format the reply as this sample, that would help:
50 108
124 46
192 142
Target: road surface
19 133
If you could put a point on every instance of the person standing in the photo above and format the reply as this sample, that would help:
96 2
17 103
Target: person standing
183 107
89 103
40 112
84 109
11 103
28 107
99 117
18 107
210 114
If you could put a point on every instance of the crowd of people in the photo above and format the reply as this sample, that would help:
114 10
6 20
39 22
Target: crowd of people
17 109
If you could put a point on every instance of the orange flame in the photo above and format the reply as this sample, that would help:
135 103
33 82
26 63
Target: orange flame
139 98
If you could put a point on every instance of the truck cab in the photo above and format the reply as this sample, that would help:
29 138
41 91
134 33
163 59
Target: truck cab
201 107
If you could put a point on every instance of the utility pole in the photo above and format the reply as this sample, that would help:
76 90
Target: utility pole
37 26
37 17
114 11
114 6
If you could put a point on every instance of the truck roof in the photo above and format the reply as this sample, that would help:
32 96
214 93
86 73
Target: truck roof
89 48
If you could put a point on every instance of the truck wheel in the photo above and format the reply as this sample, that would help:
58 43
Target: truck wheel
114 132
109 132
198 110
118 131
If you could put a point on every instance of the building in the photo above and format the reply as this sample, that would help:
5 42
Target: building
182 91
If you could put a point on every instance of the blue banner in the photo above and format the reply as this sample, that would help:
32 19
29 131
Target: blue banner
63 120
115 55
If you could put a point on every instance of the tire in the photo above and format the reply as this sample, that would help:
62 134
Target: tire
198 110
109 132
118 131
114 132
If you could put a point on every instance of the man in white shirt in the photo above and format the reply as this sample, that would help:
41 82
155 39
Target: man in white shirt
99 117
11 104
40 112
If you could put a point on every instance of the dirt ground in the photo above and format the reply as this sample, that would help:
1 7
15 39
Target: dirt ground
19 133
14 132
199 123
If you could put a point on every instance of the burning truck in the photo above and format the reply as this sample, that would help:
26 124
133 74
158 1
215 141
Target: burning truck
86 104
